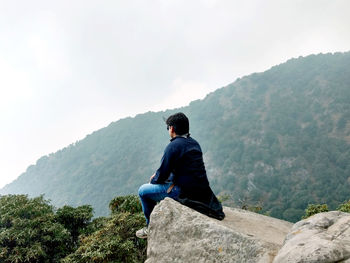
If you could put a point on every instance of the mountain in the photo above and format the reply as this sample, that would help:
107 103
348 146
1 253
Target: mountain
280 139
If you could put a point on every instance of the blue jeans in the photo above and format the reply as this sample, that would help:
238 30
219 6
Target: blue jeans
150 194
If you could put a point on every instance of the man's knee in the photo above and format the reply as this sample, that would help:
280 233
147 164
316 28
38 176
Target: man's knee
143 190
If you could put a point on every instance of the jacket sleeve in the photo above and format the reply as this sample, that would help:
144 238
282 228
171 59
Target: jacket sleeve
166 165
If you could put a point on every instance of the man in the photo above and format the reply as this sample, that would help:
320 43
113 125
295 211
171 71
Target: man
181 175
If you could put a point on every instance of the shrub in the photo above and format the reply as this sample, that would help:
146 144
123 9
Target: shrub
313 209
344 207
128 203
116 240
75 220
29 231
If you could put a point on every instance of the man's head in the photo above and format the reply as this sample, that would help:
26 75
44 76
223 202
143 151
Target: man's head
179 122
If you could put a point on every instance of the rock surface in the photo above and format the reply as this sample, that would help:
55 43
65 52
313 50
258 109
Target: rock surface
180 234
324 237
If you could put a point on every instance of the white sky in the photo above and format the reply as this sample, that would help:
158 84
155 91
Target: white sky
68 68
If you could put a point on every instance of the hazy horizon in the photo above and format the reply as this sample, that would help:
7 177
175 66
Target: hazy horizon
69 69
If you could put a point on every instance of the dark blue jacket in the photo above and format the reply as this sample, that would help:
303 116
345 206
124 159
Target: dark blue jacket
182 163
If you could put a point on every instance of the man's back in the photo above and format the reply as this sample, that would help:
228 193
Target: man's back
182 162
189 170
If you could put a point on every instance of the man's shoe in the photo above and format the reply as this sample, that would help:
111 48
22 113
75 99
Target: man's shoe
142 233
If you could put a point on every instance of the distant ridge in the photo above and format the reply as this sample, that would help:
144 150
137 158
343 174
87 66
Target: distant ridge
280 139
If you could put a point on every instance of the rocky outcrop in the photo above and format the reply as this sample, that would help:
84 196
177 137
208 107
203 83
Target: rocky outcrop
324 237
180 234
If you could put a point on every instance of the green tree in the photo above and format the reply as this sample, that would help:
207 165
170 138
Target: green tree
129 203
75 220
29 231
115 241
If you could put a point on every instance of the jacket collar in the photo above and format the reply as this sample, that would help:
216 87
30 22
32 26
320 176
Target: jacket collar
181 136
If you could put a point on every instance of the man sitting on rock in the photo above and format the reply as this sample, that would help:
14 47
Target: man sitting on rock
181 175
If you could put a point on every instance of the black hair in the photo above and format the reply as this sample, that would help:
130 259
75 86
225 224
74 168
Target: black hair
180 123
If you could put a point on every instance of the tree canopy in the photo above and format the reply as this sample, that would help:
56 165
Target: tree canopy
33 231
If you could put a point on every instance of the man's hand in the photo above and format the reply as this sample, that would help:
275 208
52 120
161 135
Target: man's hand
152 177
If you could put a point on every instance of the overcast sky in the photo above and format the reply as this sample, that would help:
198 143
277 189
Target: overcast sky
68 68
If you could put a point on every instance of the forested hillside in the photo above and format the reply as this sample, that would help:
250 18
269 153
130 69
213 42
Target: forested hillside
280 138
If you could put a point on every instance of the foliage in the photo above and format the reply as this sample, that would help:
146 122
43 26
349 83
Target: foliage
116 240
313 209
246 203
344 207
129 203
95 225
224 197
75 220
29 231
253 208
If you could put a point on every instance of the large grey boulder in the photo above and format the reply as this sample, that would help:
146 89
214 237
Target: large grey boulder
180 234
324 237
